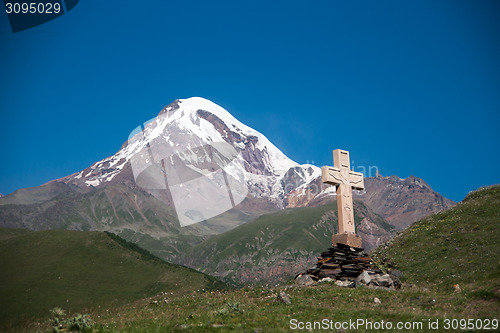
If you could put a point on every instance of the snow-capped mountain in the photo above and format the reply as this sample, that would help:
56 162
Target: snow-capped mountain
207 167
181 133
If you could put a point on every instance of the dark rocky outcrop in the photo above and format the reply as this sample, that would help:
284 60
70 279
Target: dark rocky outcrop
348 267
402 201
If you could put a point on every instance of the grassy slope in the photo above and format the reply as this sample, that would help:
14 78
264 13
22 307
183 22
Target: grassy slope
426 254
129 212
80 270
457 246
290 235
296 227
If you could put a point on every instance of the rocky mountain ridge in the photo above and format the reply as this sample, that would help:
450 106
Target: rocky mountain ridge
402 201
275 247
193 139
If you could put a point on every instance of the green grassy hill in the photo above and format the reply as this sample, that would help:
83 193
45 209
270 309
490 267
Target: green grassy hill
458 246
133 214
81 270
426 253
127 211
275 246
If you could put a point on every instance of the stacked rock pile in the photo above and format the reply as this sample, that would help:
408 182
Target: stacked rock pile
349 267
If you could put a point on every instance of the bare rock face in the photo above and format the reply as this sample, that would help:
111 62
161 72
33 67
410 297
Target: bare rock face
301 185
372 234
402 201
399 201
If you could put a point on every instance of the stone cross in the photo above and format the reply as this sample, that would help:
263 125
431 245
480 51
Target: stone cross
346 180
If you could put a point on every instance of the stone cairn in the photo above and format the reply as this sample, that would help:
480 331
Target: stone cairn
348 267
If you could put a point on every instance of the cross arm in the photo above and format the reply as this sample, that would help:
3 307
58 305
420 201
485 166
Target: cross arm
331 175
356 180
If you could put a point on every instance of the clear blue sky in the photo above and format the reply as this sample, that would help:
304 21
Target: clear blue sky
412 87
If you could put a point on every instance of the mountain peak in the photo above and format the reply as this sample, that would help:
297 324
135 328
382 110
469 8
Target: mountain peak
191 105
183 129
212 123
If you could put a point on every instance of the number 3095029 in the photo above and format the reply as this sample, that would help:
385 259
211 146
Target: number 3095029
32 8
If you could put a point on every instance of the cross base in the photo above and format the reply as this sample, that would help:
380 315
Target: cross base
352 240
